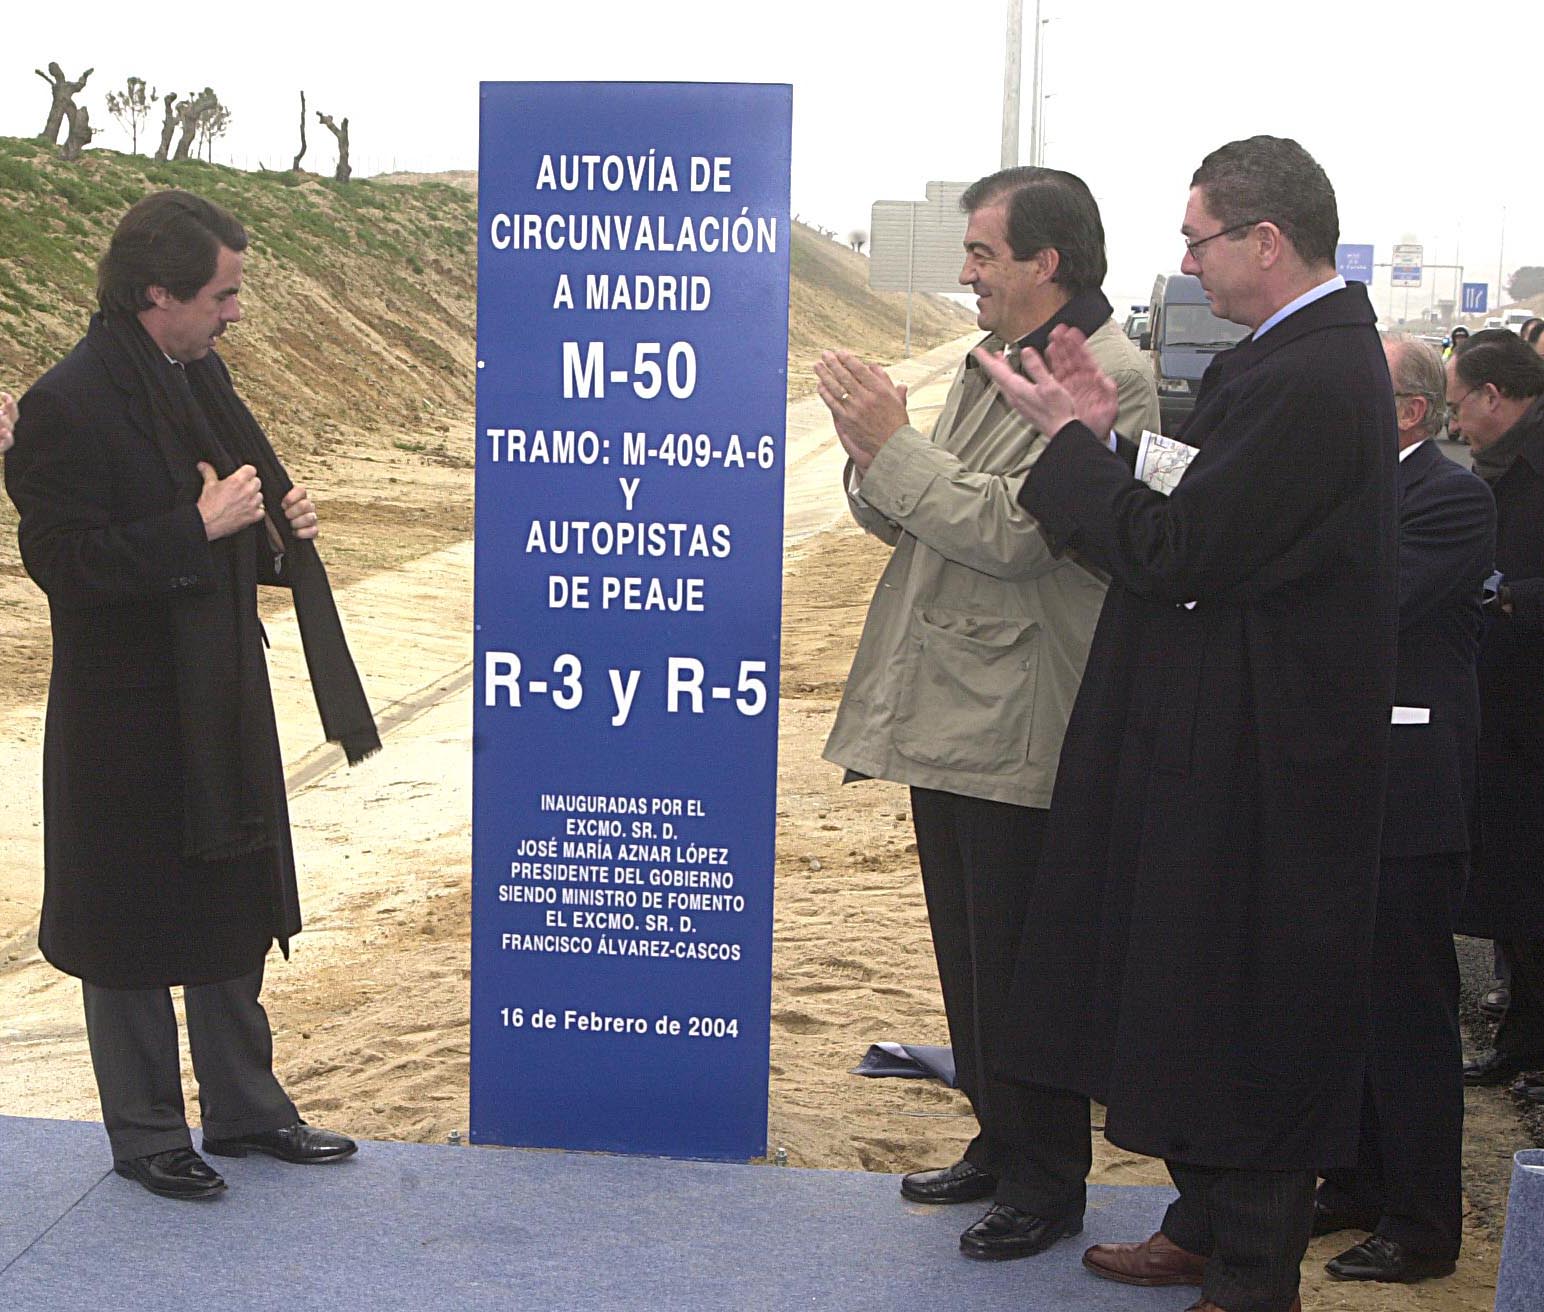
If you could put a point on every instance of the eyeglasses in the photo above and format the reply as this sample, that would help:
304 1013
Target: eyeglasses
1194 247
1452 405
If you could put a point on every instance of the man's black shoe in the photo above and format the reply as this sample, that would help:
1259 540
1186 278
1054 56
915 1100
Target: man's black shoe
1327 1220
299 1142
960 1183
176 1173
1005 1232
1497 1068
1380 1258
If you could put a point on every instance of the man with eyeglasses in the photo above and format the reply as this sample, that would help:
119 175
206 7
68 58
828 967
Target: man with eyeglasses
1496 391
1406 1188
1196 948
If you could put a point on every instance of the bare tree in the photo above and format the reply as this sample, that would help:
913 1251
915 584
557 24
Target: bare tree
343 170
295 167
191 114
211 124
80 133
131 107
64 98
168 125
858 239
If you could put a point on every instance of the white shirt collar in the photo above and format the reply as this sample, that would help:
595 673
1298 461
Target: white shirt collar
1335 284
1413 448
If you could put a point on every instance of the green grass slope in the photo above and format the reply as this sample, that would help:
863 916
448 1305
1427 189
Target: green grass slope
360 299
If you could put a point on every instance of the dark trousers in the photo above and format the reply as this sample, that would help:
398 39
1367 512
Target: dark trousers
1251 1226
133 1039
1521 1031
1409 1161
979 860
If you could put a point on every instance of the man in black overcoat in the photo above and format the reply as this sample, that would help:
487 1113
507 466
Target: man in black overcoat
1195 953
151 505
1406 1187
1496 394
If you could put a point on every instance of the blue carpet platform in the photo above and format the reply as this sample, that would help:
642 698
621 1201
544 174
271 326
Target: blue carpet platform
422 1227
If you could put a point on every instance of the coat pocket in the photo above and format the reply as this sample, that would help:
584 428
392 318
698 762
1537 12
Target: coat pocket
967 695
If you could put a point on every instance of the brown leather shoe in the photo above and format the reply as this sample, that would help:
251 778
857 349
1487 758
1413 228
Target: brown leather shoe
1156 1261
1205 1306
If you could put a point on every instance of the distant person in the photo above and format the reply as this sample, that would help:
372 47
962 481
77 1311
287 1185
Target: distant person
1533 333
7 421
1455 342
969 663
1196 944
151 506
1496 393
1406 1187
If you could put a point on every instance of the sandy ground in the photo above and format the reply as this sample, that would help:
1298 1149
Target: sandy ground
371 1014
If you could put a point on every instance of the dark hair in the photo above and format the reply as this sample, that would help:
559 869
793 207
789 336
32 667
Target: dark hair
1502 359
1048 209
1273 179
172 240
1530 330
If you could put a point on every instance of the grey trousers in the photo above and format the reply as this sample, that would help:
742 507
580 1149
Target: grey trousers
133 1039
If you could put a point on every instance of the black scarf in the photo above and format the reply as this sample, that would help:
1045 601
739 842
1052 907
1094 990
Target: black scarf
232 781
1493 461
1087 311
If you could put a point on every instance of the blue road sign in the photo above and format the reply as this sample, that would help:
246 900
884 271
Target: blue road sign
632 337
1353 262
1476 297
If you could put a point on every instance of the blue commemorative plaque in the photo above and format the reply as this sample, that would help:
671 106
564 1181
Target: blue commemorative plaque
632 331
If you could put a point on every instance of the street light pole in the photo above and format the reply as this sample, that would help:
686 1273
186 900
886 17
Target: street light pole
1036 109
1037 154
1013 62
1500 260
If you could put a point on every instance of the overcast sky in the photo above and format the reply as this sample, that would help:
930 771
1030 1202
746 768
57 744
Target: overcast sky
1425 122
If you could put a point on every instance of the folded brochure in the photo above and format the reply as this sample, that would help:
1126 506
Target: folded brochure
1162 461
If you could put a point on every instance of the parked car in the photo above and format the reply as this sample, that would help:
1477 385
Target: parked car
1183 335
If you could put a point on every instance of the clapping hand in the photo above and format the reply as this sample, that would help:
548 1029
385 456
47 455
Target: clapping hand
1071 386
865 405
